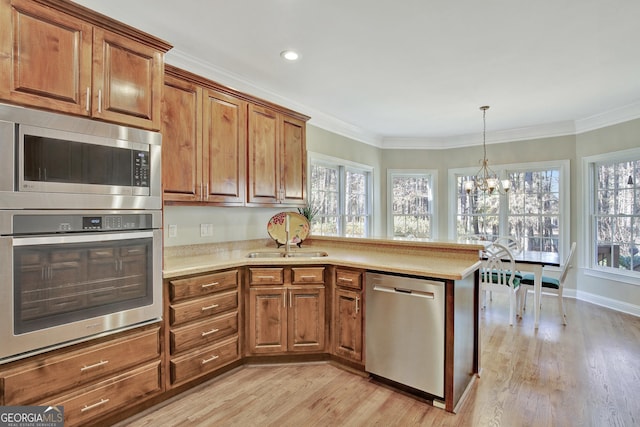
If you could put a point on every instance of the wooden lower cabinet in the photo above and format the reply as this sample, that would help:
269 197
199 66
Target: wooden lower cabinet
203 313
286 310
111 395
90 380
348 309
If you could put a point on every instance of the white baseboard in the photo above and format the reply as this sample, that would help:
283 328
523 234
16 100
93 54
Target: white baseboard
603 301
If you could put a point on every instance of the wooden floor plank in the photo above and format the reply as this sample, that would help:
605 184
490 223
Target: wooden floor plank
586 373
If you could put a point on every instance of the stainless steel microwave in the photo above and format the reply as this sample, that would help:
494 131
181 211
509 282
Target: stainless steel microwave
54 161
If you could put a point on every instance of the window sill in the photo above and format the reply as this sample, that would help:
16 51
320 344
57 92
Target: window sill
630 278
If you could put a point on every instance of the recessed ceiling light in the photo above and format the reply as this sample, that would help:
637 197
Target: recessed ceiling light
290 55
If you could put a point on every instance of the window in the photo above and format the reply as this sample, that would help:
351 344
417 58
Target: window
532 211
341 191
411 196
615 212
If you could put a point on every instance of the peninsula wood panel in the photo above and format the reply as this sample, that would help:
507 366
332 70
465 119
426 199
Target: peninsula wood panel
224 148
45 57
181 140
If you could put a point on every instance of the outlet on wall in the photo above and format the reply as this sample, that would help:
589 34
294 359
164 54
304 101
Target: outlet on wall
206 230
173 230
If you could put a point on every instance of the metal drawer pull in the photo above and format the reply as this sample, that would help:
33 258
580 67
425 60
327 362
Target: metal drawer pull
307 277
209 307
211 359
95 365
266 278
344 279
208 285
95 405
213 331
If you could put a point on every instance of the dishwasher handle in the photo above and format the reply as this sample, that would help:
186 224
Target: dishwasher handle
421 294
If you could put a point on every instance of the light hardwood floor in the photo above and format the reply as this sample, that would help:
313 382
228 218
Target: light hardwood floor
584 374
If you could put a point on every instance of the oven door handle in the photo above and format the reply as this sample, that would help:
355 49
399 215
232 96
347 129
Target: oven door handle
80 238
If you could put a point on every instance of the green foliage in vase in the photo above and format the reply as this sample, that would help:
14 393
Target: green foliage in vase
309 212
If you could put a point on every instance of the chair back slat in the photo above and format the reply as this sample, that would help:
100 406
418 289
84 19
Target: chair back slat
498 265
567 263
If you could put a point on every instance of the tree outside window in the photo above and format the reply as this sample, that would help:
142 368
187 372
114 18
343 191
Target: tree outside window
530 212
411 204
341 195
616 215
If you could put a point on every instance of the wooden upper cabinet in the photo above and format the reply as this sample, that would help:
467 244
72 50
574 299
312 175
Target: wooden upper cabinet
277 158
224 148
264 156
294 161
66 58
127 79
45 57
181 140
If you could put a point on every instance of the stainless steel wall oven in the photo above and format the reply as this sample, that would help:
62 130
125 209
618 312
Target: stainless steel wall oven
80 230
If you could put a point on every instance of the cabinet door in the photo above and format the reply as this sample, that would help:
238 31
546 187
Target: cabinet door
127 80
181 140
347 336
224 148
263 156
267 320
306 319
46 57
294 161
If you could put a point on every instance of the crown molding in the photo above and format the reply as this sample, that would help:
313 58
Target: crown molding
332 124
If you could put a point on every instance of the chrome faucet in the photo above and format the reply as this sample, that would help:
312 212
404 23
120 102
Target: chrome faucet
287 246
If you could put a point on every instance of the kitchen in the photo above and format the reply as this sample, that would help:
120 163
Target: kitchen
246 223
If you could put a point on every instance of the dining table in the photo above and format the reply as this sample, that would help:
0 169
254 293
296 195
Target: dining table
534 262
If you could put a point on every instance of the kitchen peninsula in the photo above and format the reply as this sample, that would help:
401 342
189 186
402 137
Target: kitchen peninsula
311 326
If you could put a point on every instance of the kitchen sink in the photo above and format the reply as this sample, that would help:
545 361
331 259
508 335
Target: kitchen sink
292 254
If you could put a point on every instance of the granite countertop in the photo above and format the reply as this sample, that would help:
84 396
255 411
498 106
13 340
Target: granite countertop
444 260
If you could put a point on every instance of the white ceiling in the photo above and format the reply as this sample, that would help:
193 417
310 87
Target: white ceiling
413 73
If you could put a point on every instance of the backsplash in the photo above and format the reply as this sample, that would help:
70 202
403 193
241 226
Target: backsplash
194 225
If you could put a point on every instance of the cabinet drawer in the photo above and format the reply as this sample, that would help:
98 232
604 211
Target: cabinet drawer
349 278
203 307
202 285
113 394
44 376
307 275
204 332
202 361
266 276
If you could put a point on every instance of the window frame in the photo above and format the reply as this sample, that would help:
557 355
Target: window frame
433 176
591 268
502 171
343 166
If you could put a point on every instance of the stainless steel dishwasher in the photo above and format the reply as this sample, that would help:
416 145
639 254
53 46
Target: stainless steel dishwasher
405 331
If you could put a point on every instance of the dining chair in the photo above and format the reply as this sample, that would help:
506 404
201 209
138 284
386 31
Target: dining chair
510 243
498 275
549 284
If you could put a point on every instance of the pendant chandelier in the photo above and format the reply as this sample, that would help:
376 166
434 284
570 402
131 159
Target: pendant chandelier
486 179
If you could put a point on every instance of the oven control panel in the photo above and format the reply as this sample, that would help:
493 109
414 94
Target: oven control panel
70 223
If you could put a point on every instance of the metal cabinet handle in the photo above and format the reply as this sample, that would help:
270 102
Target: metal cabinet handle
357 305
290 303
88 106
208 285
345 279
99 100
211 359
95 365
307 277
284 298
213 331
209 307
265 277
95 405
